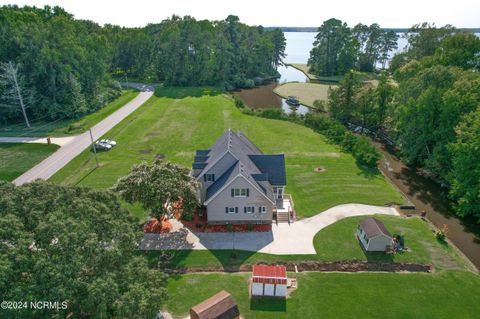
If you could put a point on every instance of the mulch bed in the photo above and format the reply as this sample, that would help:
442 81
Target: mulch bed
199 224
154 226
340 266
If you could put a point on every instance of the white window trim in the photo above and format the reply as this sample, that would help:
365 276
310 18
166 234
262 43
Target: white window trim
252 208
263 209
230 210
240 192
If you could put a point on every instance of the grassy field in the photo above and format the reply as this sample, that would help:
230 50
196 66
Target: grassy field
177 127
337 242
17 158
307 93
448 295
68 127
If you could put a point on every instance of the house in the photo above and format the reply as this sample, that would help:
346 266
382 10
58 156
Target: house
269 281
219 306
373 235
240 184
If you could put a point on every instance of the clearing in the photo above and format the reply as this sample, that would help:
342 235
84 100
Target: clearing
307 93
17 158
176 126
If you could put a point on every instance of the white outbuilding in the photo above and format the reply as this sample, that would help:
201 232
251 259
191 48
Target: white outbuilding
269 281
373 235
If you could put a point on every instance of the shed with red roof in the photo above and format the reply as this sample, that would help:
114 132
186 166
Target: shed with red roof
269 281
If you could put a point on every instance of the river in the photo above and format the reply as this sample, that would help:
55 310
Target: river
425 194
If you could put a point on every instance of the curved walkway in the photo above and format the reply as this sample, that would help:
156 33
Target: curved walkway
284 239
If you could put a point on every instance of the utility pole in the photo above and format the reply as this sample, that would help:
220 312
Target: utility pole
93 146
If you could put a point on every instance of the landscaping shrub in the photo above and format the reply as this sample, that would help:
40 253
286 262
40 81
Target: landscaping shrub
250 227
230 228
359 146
187 216
238 102
271 113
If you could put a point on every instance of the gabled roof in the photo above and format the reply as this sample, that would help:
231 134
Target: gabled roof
373 227
259 169
269 274
220 305
273 166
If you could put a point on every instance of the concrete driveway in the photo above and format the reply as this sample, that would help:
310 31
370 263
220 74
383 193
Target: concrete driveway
284 239
79 143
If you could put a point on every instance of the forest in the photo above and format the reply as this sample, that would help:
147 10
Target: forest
428 104
65 68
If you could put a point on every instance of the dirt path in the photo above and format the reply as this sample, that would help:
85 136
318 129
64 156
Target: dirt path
320 266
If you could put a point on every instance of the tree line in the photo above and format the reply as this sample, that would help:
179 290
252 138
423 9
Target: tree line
429 105
339 48
68 67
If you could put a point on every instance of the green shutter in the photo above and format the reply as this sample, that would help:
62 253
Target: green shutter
204 177
248 192
232 192
236 210
245 209
226 210
213 177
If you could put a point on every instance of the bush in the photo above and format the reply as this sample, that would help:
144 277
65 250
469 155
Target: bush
187 217
250 227
271 113
230 228
238 102
359 146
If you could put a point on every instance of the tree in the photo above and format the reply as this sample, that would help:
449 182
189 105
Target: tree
158 185
76 245
342 100
16 95
424 39
465 150
461 49
388 42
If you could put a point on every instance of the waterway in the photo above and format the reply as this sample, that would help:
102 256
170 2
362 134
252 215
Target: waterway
425 194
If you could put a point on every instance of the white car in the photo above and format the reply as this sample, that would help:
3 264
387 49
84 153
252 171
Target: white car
110 142
103 146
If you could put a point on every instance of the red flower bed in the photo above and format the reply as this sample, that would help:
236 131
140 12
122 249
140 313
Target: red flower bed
154 226
199 224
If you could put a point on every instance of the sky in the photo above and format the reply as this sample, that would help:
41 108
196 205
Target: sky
301 13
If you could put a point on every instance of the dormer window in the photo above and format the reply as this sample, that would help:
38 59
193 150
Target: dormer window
209 177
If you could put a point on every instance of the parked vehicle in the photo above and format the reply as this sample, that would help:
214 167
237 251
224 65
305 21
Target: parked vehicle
103 146
110 142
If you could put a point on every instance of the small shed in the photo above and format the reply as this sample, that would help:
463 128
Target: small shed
373 235
219 306
269 281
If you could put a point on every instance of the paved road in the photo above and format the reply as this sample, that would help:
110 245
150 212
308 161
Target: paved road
284 239
66 153
62 141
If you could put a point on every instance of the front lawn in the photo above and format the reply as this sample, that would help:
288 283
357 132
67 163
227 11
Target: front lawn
17 158
68 127
176 127
452 294
336 242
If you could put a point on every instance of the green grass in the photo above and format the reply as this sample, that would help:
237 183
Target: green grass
69 127
340 295
17 158
307 93
177 127
333 243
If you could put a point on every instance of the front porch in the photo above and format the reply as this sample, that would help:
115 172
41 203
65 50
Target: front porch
284 212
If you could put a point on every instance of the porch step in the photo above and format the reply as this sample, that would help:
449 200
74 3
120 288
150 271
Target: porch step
282 218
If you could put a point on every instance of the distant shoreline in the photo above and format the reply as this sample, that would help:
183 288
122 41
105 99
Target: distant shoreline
314 29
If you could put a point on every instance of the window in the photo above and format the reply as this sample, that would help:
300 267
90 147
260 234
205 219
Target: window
240 192
262 209
278 192
249 209
231 210
209 177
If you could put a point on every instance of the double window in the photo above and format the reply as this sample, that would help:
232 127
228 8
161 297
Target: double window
240 192
209 178
231 210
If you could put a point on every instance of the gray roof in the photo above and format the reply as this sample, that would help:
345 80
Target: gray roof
373 227
262 170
